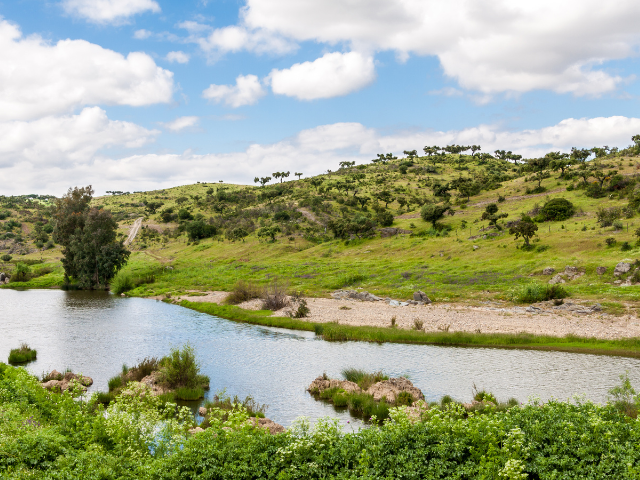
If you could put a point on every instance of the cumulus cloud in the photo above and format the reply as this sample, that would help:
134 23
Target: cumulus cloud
109 11
181 123
142 34
247 91
65 141
332 75
179 57
234 38
490 46
311 151
38 79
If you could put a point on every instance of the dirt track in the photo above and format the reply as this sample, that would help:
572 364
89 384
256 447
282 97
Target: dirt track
133 231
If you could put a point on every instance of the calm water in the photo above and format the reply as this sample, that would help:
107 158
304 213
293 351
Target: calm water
95 333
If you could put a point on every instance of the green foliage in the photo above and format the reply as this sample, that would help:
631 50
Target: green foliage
491 213
122 282
557 209
189 393
6 257
363 378
384 218
269 232
181 369
242 292
536 292
198 229
606 216
92 255
524 228
358 225
22 273
23 354
432 212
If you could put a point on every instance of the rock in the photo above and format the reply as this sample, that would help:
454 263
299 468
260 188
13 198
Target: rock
54 375
390 232
601 270
152 381
390 389
622 267
195 430
2 277
56 381
318 385
394 303
557 279
202 411
52 385
420 296
476 247
363 296
267 424
321 383
570 270
548 271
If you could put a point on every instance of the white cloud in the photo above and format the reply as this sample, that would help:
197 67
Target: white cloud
142 34
332 75
246 91
71 160
447 92
216 42
490 46
38 79
109 11
66 141
178 56
181 123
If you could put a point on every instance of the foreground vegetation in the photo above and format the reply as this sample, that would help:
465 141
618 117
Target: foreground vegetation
47 435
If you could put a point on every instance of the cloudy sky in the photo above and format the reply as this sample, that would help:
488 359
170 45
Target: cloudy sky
141 94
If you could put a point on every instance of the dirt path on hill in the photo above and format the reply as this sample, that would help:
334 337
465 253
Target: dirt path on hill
133 231
309 216
492 318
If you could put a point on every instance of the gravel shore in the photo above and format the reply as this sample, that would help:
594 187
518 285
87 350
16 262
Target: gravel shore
543 319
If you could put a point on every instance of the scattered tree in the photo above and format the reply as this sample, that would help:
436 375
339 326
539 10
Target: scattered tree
432 212
491 213
524 228
269 232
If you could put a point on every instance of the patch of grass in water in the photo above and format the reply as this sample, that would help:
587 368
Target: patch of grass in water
24 354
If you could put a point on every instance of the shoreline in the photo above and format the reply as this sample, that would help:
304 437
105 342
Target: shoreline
331 331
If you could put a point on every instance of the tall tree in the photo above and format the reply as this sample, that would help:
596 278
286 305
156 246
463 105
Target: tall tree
91 253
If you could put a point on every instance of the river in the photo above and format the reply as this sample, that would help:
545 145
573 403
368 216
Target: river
95 333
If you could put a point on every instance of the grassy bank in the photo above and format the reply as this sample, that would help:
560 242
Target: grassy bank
338 333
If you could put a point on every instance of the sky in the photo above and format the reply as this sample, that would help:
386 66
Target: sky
136 95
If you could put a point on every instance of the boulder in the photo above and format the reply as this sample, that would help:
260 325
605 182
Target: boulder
202 411
556 279
475 247
267 424
319 384
420 296
390 232
322 383
390 389
363 296
548 271
601 270
2 277
56 381
570 270
622 267
153 382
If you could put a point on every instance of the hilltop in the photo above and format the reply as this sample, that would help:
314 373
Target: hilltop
325 233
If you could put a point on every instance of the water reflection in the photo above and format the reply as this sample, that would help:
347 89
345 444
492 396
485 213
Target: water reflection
95 333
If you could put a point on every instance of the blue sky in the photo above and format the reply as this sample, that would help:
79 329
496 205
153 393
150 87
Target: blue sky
143 94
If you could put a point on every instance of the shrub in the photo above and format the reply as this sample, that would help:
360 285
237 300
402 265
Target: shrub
404 398
484 396
198 229
535 292
224 402
611 242
557 209
121 283
301 309
606 216
363 378
180 369
115 383
6 257
22 273
274 296
23 354
384 218
418 324
242 292
626 246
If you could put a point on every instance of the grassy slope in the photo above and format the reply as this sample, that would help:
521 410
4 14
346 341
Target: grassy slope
447 269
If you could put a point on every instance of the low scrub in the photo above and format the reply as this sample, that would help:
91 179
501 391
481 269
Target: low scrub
363 378
275 296
535 292
24 354
224 405
243 292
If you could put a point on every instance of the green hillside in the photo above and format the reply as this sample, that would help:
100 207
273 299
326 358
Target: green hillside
323 233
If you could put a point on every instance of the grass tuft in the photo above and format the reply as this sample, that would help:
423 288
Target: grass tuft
24 354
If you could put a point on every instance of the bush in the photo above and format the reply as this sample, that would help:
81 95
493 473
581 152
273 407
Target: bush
198 230
6 257
274 296
181 369
242 292
404 398
611 242
557 209
535 292
363 378
23 354
484 396
384 218
626 246
301 308
121 283
22 273
606 216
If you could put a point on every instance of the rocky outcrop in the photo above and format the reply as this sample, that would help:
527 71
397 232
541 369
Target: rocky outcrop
267 424
570 273
153 382
390 232
548 271
390 389
62 382
352 294
601 270
420 296
322 383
